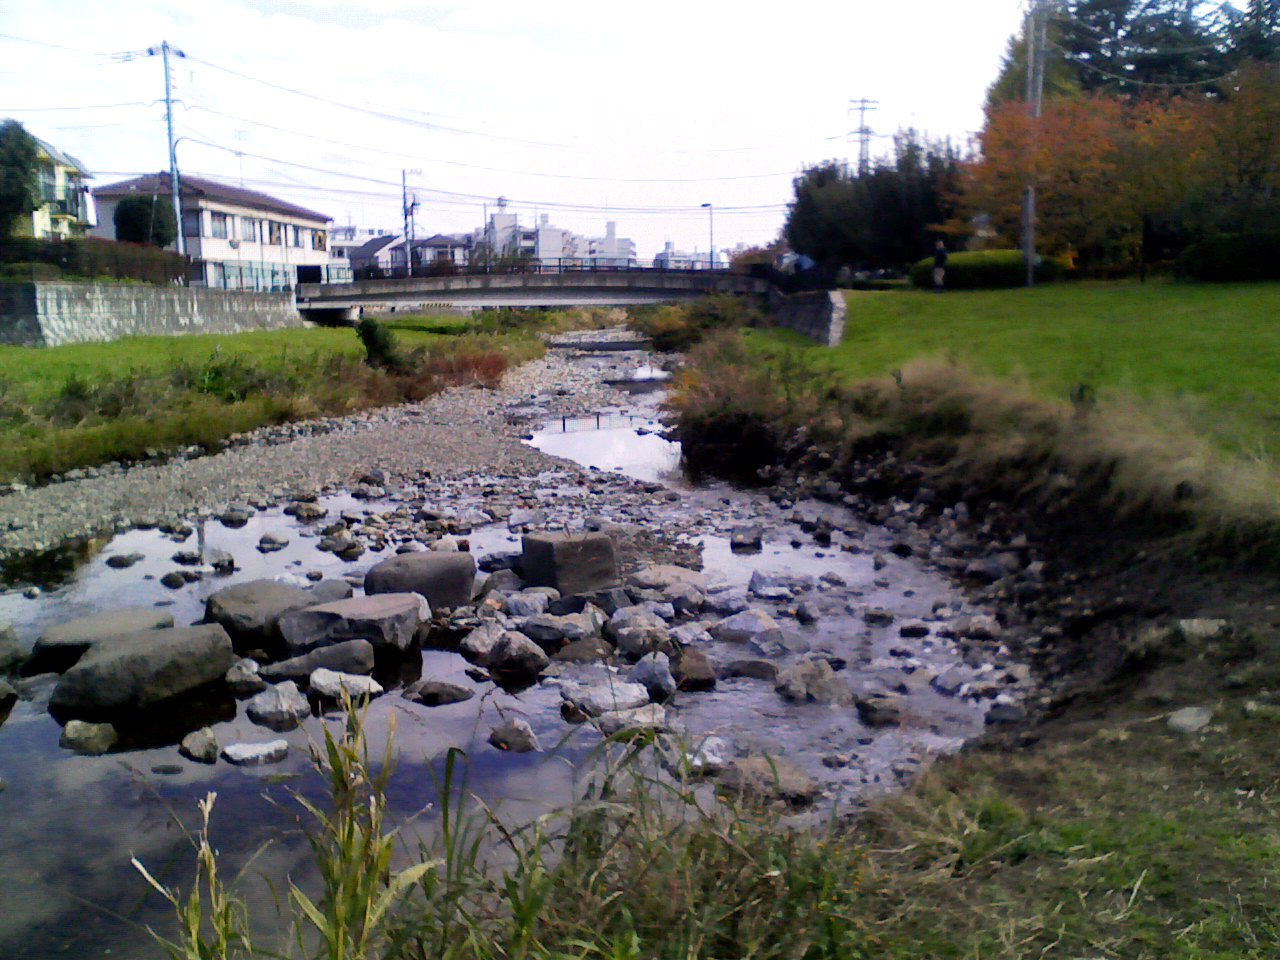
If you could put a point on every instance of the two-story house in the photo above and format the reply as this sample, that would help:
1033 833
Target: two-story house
237 239
66 206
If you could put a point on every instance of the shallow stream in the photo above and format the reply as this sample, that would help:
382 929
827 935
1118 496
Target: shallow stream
71 823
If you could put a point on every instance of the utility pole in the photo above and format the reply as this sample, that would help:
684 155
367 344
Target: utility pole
863 133
1037 41
165 49
409 207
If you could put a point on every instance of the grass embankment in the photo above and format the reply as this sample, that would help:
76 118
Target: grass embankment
1159 399
1102 833
86 404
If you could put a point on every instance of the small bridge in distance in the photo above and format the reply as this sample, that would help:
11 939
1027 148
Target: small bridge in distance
571 288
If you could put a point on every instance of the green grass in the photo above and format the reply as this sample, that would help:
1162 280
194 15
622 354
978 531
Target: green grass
1208 352
85 404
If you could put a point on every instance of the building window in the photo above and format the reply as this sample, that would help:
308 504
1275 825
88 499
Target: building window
191 223
297 236
218 226
248 229
277 233
318 240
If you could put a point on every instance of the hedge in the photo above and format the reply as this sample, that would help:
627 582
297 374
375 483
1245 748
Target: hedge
1232 257
986 270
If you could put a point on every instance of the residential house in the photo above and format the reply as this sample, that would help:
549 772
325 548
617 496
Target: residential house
237 239
66 207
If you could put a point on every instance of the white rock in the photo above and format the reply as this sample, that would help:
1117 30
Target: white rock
331 683
255 754
601 698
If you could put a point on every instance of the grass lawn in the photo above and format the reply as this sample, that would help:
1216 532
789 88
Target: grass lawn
84 404
1210 352
40 372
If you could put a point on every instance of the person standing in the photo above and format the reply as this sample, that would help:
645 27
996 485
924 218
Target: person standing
939 265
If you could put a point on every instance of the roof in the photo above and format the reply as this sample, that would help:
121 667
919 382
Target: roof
158 183
60 158
368 249
442 240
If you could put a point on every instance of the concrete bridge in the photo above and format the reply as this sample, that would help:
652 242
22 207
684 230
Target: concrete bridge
342 301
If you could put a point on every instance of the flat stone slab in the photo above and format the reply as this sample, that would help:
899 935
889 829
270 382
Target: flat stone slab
572 563
445 578
649 717
139 671
388 620
331 683
62 646
599 698
251 611
255 754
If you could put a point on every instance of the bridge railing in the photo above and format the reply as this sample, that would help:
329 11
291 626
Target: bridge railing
447 268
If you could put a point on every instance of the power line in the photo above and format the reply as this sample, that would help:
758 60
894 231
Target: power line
477 166
87 106
383 113
473 197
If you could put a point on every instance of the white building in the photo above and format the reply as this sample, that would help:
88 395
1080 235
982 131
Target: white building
237 239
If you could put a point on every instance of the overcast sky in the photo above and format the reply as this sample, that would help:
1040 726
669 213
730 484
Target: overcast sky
586 111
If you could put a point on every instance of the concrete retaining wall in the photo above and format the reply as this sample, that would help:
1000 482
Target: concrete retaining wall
51 314
819 315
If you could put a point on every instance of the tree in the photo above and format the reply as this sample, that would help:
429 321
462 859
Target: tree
878 220
19 169
146 219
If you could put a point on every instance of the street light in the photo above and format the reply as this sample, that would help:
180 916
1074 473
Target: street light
711 223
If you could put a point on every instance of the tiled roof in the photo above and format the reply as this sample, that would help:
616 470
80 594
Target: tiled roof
158 183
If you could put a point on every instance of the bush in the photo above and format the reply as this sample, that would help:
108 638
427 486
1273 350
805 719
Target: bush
380 347
678 326
987 270
1232 257
146 220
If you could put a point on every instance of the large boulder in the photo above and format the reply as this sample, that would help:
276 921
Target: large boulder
514 736
139 671
477 646
446 579
280 708
388 621
694 670
660 576
607 697
349 656
515 656
653 672
251 611
572 563
91 739
811 680
62 646
752 625
766 780
12 656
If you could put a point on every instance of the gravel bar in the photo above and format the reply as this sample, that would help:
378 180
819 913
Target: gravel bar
462 431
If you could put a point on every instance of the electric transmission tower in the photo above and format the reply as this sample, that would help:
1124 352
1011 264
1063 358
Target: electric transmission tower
863 133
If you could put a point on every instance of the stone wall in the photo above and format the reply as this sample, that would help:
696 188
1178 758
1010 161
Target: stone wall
51 314
819 315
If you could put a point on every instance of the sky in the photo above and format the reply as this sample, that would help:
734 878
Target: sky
584 111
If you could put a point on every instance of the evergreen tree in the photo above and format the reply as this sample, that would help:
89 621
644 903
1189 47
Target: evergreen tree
19 166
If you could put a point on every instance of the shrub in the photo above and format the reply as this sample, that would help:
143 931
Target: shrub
145 219
678 326
1232 257
986 270
380 345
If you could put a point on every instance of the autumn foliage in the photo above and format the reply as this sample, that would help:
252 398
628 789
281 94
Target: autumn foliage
1110 171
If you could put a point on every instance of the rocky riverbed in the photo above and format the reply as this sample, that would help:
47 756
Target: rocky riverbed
497 599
